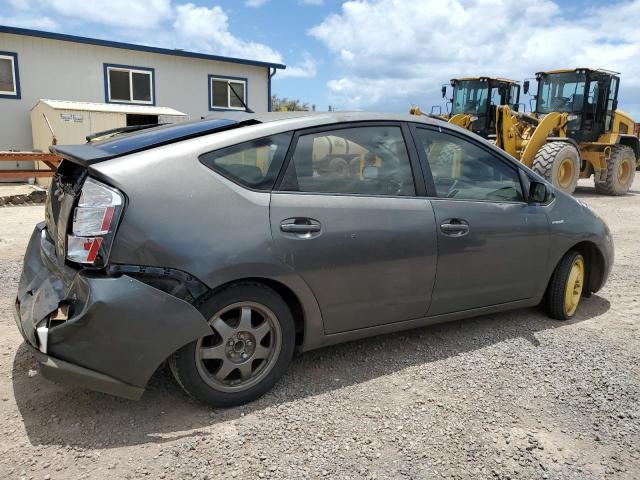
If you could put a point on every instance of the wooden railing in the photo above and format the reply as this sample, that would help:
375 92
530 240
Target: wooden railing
49 159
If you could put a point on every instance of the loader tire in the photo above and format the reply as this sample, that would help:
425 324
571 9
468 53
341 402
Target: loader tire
338 167
620 171
559 164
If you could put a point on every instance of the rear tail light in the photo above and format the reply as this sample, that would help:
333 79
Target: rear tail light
94 222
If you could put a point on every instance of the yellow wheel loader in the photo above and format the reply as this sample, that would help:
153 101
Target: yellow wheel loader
474 102
576 131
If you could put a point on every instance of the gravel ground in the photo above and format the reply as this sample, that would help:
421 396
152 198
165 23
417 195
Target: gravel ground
512 395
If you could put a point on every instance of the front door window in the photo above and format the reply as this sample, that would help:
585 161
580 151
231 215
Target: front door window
462 170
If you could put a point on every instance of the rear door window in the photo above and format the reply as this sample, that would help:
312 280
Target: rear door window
369 160
254 164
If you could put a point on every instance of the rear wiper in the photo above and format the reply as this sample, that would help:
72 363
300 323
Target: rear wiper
95 137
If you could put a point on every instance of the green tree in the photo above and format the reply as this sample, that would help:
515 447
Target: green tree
287 105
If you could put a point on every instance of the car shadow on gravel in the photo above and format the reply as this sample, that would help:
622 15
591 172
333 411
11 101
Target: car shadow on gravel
61 415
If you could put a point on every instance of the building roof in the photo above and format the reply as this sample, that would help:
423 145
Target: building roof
131 46
111 107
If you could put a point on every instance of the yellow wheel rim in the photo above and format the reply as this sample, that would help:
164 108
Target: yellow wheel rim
566 173
573 290
624 171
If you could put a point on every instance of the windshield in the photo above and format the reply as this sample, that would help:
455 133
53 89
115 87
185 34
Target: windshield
470 96
561 92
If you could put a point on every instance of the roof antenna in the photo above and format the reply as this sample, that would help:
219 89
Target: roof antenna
246 108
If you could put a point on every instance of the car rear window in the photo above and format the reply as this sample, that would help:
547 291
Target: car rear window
254 164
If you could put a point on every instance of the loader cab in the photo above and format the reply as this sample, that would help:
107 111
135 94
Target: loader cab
479 97
590 97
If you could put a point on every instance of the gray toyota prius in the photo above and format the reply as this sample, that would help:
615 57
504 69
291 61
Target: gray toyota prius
223 246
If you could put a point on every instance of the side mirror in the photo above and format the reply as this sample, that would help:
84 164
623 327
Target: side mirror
525 86
370 172
444 91
538 192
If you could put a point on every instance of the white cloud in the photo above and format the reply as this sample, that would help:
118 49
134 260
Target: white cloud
152 22
118 13
306 69
20 4
29 21
255 3
392 53
207 30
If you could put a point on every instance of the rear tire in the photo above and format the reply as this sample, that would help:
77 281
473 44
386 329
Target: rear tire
251 344
559 164
621 169
566 287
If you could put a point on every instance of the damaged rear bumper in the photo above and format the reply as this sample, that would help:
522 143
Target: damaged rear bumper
118 329
59 371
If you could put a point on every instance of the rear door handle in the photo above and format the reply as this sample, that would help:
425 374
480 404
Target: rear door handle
454 227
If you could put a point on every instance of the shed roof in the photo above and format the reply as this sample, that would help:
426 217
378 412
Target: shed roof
132 46
111 107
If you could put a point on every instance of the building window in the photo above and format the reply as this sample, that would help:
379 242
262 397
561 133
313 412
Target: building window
227 93
129 84
9 77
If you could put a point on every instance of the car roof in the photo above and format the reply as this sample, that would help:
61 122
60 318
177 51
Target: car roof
316 117
131 142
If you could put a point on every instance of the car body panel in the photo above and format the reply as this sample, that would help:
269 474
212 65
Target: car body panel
499 243
572 222
373 262
189 233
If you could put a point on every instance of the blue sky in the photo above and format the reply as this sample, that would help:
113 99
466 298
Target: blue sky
368 54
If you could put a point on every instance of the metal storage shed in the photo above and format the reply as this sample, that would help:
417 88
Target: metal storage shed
71 122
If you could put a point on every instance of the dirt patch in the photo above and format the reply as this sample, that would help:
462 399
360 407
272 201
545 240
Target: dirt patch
513 395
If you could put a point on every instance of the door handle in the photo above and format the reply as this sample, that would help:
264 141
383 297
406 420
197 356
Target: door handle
454 227
299 228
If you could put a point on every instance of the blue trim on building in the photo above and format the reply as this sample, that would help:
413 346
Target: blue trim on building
225 77
105 67
16 72
130 46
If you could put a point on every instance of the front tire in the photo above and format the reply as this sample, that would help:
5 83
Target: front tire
621 169
566 287
558 163
250 346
